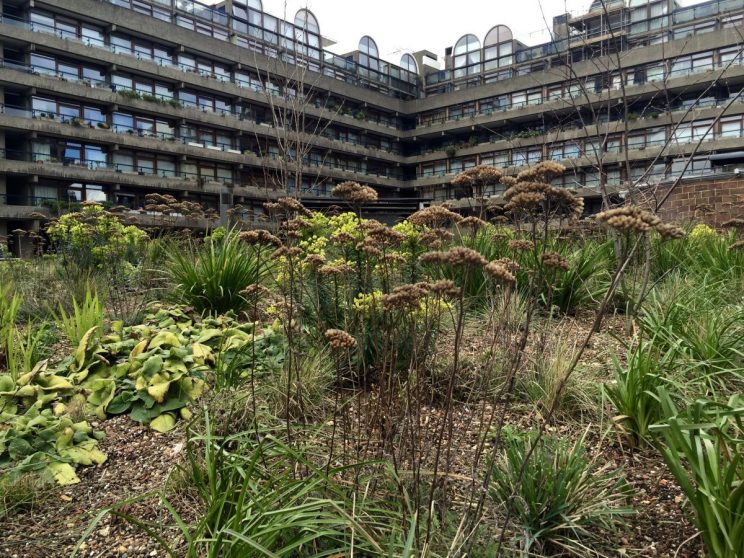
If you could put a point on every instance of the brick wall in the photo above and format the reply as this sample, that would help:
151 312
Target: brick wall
703 201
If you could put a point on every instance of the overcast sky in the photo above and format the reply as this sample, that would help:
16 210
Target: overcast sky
400 26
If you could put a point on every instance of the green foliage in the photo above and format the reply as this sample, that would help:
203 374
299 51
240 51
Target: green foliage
704 450
703 330
24 350
155 370
585 281
253 503
93 238
634 389
82 318
565 503
211 275
36 434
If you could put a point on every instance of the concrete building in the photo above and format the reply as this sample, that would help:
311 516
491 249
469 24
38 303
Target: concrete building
109 100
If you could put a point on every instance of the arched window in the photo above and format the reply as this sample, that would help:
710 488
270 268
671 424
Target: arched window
498 48
307 33
304 19
369 54
408 62
467 55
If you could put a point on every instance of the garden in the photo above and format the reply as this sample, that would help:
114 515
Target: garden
523 381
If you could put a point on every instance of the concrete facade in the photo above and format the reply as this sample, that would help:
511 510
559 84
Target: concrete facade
113 99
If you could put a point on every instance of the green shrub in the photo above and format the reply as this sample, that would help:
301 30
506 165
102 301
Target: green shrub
94 238
211 275
565 503
704 449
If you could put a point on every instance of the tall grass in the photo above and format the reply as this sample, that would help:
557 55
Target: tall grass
634 389
83 317
210 275
704 450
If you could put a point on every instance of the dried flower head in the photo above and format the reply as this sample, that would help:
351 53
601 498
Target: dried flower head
293 206
522 245
457 256
499 272
474 223
444 288
669 231
434 238
335 269
339 339
260 236
629 219
544 172
315 261
477 177
555 261
435 216
354 193
404 297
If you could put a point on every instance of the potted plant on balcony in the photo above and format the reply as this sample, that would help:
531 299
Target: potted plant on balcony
450 151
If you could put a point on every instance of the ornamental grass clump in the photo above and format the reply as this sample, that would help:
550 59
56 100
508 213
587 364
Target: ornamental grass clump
211 275
563 502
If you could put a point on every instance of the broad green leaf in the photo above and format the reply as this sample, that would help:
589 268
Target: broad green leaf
63 473
163 423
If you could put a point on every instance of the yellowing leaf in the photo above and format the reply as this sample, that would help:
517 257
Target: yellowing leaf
201 353
164 422
165 338
138 348
63 473
158 390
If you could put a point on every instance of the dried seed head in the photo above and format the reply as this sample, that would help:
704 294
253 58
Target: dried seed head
474 223
404 297
521 245
435 216
629 219
260 236
315 261
457 256
434 238
444 288
335 269
668 231
477 176
499 272
355 193
555 261
545 172
339 339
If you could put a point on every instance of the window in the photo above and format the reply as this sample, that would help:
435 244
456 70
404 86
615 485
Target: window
467 56
498 48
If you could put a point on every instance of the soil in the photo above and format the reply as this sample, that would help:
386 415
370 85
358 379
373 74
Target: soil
139 461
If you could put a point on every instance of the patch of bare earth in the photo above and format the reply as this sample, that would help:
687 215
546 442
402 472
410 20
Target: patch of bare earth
138 462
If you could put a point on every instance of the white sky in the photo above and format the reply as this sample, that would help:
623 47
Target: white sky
400 26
